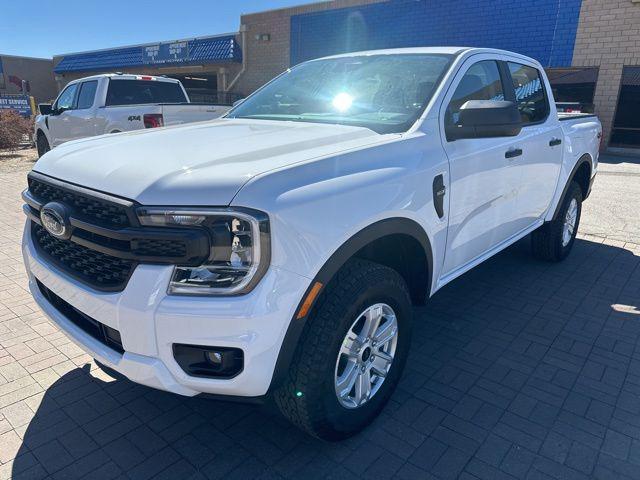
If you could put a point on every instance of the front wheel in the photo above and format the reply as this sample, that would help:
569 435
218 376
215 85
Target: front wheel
42 144
553 240
351 354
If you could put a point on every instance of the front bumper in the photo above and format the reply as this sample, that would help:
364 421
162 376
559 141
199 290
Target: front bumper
150 322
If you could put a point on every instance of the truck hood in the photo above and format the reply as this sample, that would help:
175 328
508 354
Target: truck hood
198 164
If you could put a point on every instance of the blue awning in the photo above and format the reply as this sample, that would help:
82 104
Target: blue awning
197 50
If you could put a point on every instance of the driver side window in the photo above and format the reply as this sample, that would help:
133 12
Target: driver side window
66 98
481 82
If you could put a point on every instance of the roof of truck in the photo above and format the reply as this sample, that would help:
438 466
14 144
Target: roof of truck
126 76
432 50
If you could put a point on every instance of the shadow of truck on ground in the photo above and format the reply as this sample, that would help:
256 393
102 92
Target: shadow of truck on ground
519 367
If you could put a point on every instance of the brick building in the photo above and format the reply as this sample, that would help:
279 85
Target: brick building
35 72
590 48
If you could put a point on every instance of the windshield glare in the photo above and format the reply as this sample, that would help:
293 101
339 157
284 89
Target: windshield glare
386 93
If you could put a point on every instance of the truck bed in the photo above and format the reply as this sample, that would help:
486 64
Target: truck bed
562 116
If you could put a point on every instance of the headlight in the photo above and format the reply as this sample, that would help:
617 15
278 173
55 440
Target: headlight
240 248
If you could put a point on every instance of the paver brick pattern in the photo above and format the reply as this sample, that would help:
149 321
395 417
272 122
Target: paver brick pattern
519 369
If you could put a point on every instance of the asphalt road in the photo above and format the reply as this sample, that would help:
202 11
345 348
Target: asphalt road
613 209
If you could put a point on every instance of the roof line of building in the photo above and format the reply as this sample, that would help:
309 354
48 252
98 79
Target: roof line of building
24 56
300 5
204 37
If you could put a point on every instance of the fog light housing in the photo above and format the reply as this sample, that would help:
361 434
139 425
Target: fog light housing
209 361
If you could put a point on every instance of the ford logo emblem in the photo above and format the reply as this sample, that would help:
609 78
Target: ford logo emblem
55 220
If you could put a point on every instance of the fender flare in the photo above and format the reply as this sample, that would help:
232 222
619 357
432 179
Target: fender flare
586 158
375 231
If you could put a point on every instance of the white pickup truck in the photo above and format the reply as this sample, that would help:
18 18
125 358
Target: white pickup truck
112 103
278 250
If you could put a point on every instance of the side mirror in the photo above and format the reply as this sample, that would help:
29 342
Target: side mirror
237 102
44 108
486 119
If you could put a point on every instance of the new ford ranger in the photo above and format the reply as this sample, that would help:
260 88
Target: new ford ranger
279 250
116 102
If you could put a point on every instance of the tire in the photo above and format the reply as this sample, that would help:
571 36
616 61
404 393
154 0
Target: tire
308 396
42 144
549 242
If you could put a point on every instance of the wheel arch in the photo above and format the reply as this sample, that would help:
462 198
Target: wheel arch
370 243
581 172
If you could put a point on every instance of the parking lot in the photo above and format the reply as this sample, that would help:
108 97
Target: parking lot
519 369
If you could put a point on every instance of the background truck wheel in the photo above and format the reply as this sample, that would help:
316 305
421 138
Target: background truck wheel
553 240
351 353
42 144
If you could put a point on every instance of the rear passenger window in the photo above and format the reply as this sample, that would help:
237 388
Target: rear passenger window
87 94
530 94
138 92
481 82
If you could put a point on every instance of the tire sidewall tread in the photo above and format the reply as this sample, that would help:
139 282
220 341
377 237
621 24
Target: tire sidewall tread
358 285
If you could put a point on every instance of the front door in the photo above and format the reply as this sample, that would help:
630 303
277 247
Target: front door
60 119
81 119
483 173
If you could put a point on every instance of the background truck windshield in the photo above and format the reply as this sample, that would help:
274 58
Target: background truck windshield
136 92
386 93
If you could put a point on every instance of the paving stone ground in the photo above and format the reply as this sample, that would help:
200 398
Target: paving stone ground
519 369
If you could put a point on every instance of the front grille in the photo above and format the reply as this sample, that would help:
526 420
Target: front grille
159 248
101 332
104 241
90 266
91 209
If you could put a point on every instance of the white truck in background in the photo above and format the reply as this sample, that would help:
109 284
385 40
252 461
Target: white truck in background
112 103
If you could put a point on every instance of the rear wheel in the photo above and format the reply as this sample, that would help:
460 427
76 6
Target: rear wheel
553 240
351 354
42 144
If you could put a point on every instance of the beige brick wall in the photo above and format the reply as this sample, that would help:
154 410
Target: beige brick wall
608 37
38 71
266 59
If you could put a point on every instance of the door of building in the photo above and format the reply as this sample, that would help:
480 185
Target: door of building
626 123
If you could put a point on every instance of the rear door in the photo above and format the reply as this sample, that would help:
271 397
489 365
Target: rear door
541 140
483 181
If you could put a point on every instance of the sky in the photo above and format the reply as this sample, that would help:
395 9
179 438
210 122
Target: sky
43 28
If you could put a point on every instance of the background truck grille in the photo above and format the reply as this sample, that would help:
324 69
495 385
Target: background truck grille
94 210
97 269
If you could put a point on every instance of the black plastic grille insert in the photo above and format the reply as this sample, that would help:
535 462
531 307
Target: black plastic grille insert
90 266
101 332
92 209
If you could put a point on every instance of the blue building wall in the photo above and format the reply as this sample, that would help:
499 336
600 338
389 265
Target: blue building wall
542 29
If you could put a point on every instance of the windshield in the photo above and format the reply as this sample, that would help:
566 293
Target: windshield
386 93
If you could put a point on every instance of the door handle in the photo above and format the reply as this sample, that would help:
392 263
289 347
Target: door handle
514 152
555 141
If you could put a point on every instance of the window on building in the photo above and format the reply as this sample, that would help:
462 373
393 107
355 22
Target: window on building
626 124
87 94
530 96
573 88
481 82
138 92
